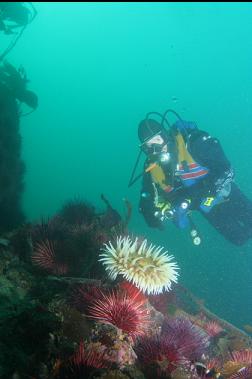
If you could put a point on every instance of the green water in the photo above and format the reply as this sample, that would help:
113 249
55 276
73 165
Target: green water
98 68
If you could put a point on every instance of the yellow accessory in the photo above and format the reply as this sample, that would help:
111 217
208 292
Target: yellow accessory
183 153
208 201
158 175
150 167
156 170
165 208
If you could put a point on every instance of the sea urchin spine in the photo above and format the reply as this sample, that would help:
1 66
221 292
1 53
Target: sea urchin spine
123 312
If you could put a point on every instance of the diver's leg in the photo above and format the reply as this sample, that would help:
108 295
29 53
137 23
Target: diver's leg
233 218
243 206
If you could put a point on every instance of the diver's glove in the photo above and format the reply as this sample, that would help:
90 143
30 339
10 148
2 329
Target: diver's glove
209 202
177 214
164 213
180 215
222 190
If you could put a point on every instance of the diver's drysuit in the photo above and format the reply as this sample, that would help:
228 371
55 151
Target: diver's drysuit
199 178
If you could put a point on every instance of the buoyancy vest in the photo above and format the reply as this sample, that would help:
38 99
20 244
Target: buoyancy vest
187 169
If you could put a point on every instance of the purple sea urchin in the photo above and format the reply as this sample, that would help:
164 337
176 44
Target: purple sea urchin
243 373
77 212
189 338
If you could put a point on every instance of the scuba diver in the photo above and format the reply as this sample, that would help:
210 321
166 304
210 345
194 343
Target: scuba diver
14 18
186 170
15 13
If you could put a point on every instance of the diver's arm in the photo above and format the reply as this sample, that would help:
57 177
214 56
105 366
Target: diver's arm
146 203
207 151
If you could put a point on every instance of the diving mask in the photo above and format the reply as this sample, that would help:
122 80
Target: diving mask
152 149
157 149
155 145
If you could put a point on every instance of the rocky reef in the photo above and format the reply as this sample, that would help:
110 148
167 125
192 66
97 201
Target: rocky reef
61 316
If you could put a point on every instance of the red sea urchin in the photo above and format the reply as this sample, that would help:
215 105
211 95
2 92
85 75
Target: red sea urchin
132 291
44 257
120 310
212 328
85 361
50 248
84 294
159 355
93 356
242 356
